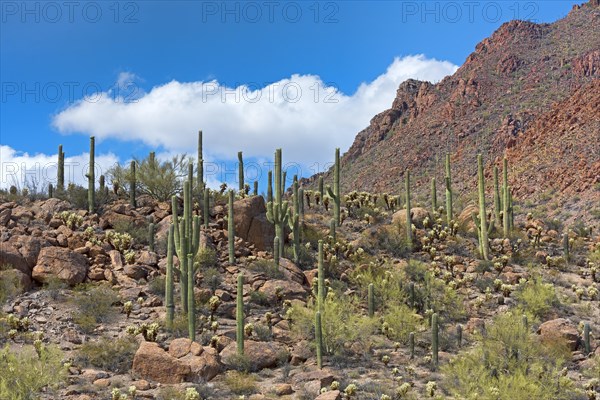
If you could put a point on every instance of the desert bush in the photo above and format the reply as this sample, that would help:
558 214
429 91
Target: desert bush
386 238
25 373
536 297
268 268
206 258
136 231
240 383
211 279
157 286
9 285
387 284
161 180
401 320
108 353
507 364
93 306
342 322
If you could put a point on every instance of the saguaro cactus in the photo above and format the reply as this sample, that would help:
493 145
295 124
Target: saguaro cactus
411 342
230 229
191 298
277 211
484 243
371 300
565 243
255 189
321 191
409 234
335 192
586 338
200 177
169 301
459 335
320 279
60 172
433 196
132 185
506 201
270 186
276 251
497 199
50 191
332 230
239 315
240 172
319 339
92 177
448 191
294 223
434 339
151 236
206 212
102 183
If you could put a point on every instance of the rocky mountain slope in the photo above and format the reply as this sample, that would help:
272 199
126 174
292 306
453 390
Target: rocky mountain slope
530 91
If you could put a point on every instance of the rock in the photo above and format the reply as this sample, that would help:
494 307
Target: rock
249 218
330 395
153 363
301 353
182 347
282 389
277 290
47 209
465 218
260 354
135 271
322 376
10 255
291 271
559 328
19 279
147 258
203 367
418 215
61 263
5 215
116 259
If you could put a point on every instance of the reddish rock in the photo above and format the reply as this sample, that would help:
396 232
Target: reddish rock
261 354
60 263
153 363
249 217
560 329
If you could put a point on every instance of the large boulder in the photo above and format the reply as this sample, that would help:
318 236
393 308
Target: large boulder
61 263
250 221
48 208
153 363
559 329
260 354
277 290
9 255
418 215
29 247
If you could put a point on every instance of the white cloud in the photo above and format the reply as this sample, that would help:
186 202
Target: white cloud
21 169
298 114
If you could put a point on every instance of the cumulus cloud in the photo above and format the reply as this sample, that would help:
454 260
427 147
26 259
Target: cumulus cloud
38 170
301 114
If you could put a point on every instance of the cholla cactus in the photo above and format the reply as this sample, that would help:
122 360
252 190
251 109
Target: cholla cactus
350 390
127 308
248 329
129 256
119 241
192 394
403 389
430 388
385 397
385 360
70 219
335 385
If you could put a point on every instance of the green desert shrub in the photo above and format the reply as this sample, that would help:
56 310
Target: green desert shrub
27 371
240 383
9 285
93 306
507 364
342 322
130 232
268 268
206 258
536 297
401 320
386 238
108 353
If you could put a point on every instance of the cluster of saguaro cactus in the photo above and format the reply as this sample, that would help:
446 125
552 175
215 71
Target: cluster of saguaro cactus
186 238
335 192
277 209
481 222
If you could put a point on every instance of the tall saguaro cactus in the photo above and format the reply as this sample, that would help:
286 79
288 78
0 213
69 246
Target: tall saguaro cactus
371 300
60 172
239 315
497 199
191 298
319 339
409 234
169 301
320 279
132 185
91 176
240 171
506 201
434 339
206 212
277 210
335 192
200 178
448 191
483 228
231 229
433 196
294 222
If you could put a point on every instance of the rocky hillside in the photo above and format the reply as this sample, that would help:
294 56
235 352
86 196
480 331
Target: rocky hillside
530 91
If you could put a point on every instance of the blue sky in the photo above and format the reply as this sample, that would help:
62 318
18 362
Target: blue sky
305 76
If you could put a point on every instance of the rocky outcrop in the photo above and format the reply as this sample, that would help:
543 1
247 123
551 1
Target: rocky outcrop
250 221
60 263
